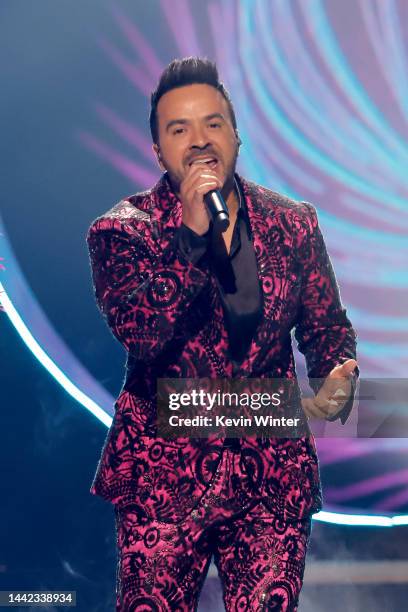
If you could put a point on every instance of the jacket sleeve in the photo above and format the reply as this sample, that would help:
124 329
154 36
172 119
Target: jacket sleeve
323 331
141 295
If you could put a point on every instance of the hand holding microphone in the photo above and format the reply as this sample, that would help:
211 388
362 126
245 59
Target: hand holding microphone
201 199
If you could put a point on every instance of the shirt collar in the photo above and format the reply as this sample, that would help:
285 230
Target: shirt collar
242 209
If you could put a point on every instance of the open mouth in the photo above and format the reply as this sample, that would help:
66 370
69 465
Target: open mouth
209 161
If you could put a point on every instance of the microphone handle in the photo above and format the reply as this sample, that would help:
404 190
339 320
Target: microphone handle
218 210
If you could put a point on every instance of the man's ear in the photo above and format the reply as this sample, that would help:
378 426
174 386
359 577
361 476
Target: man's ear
156 151
239 141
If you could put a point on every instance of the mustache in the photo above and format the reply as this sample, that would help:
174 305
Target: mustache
199 154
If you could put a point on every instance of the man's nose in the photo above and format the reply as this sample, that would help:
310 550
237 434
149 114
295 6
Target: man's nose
199 138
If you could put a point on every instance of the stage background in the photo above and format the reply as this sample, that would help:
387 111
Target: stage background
320 92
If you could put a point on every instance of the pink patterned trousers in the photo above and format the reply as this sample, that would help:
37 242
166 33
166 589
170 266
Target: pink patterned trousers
260 561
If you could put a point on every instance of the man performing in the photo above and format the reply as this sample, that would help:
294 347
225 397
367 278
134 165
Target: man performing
188 302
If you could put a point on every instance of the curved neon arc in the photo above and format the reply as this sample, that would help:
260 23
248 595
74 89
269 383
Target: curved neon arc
339 67
309 107
277 116
361 520
48 363
359 130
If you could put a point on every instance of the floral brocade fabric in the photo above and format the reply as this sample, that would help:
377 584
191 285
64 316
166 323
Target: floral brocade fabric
260 559
167 314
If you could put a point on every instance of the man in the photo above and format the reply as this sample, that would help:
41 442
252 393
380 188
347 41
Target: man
186 302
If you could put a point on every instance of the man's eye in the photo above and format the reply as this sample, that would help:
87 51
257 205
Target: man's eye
215 125
178 131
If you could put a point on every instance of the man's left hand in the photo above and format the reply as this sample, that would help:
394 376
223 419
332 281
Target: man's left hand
334 393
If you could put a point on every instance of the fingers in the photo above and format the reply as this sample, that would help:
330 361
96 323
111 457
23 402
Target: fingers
324 405
334 393
334 389
311 409
199 181
205 185
336 386
343 369
198 175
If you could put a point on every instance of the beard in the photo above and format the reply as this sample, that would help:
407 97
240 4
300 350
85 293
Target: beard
176 178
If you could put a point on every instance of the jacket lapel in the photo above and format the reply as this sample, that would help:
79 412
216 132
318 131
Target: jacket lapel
263 224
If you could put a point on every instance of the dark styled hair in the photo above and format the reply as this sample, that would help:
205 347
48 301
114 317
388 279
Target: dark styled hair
186 71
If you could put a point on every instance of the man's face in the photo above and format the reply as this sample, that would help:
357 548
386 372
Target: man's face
194 123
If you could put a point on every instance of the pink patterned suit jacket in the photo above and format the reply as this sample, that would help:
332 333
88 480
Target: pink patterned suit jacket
167 314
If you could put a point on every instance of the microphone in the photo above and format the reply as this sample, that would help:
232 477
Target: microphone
218 210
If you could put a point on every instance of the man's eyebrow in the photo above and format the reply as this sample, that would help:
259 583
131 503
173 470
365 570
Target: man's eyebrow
185 121
214 116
